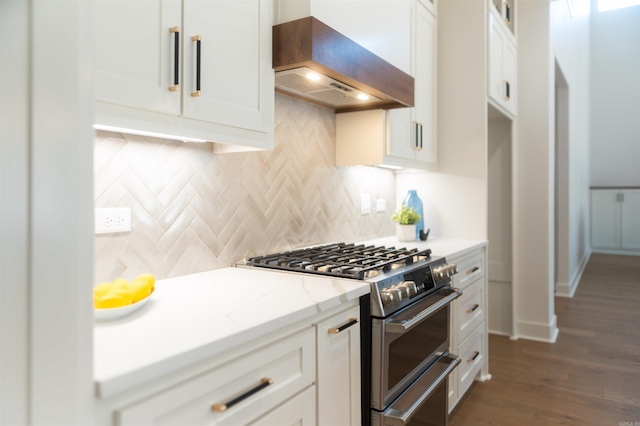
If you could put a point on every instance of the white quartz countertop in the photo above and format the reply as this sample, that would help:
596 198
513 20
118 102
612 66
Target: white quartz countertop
439 246
193 317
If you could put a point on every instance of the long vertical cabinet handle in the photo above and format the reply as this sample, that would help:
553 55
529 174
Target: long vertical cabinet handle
176 59
507 12
198 41
507 90
417 143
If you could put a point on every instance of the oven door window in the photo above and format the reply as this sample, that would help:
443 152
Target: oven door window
417 348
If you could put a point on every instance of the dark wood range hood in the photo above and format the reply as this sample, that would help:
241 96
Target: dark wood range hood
345 69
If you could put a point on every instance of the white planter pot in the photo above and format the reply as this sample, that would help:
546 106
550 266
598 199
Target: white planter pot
405 232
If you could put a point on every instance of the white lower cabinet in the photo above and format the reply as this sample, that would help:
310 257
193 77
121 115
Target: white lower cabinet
469 324
306 374
339 369
615 220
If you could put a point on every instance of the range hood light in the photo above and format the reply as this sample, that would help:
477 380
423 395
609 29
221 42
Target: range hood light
313 76
363 97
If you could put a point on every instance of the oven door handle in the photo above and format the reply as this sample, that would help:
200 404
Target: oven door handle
403 326
404 408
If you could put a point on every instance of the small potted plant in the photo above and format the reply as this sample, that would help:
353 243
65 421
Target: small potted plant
406 219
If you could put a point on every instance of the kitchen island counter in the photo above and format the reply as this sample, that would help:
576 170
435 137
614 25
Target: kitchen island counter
194 317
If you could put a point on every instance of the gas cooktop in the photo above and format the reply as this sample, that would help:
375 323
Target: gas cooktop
341 260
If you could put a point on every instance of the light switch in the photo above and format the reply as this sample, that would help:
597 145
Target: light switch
365 204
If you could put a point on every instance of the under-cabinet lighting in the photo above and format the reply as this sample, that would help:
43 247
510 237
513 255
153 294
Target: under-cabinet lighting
145 133
385 166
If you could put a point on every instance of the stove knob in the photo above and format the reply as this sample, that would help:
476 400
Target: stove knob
410 287
390 296
445 271
403 289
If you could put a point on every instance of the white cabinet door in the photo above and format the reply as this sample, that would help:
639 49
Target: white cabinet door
338 363
502 78
605 219
134 53
425 84
235 67
630 219
412 132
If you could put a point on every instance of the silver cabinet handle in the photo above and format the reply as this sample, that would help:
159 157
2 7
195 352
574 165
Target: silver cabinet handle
400 412
403 326
198 41
219 408
352 321
417 143
176 59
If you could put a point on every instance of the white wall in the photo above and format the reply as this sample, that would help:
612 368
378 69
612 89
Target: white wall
548 33
615 86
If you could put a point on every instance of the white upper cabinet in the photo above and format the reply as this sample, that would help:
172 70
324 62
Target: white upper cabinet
381 27
128 71
502 79
402 137
413 131
189 69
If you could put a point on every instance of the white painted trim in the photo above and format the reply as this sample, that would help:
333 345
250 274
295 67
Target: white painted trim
620 252
538 331
569 289
499 333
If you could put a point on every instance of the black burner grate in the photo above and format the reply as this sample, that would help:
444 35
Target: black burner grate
341 260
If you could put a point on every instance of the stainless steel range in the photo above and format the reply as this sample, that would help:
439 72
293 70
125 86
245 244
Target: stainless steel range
405 325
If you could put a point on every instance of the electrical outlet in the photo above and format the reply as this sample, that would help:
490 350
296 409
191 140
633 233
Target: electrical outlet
113 220
365 204
381 205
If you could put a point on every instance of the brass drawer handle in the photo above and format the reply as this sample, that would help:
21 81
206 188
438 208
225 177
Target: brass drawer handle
475 306
473 358
219 408
472 270
352 321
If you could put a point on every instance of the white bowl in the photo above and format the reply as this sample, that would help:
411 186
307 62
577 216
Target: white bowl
108 314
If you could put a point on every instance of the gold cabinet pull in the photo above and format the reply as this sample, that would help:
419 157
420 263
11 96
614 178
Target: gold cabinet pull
176 59
198 41
507 90
473 308
352 321
507 12
220 408
473 358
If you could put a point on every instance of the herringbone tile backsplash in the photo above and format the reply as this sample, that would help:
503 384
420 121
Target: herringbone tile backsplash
193 211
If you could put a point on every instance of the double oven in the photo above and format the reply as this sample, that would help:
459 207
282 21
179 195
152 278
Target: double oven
404 326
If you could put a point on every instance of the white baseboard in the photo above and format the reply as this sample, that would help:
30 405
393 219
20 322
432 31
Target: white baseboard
538 331
569 289
616 252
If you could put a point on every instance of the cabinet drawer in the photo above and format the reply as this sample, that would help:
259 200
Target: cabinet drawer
470 268
298 411
472 354
469 309
289 363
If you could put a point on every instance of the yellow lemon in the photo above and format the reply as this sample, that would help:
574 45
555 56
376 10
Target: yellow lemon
112 300
140 289
101 289
148 279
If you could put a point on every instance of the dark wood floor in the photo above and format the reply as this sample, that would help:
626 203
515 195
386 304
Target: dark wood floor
590 376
